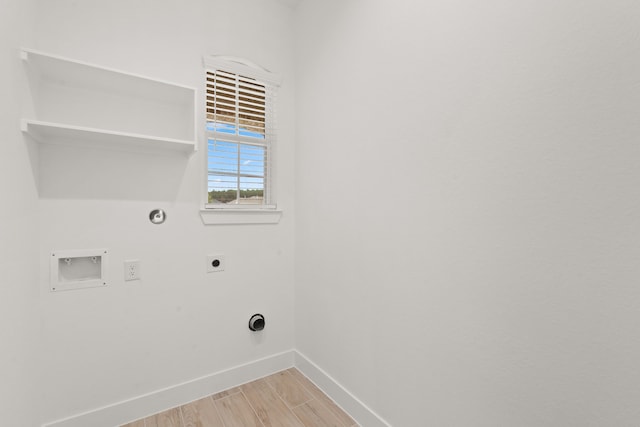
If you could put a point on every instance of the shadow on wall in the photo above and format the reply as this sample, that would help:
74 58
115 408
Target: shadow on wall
84 173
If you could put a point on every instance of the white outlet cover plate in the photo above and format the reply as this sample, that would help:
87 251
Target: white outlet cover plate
135 264
211 258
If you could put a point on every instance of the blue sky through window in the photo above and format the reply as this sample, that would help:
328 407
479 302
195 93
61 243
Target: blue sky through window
233 165
231 130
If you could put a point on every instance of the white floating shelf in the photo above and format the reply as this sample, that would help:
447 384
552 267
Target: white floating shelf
77 103
70 71
56 133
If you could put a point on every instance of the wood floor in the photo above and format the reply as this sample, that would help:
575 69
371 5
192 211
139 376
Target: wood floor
284 399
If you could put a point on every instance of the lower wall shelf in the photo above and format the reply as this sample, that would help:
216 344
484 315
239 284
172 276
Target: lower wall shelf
57 133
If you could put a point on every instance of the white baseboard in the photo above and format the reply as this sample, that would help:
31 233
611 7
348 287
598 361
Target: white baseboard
151 403
170 397
360 412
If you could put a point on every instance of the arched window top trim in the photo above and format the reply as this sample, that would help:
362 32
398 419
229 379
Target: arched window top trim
241 66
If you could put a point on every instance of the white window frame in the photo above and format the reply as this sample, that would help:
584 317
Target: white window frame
239 213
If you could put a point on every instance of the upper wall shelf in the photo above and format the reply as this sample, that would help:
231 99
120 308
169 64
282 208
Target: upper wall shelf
76 103
55 133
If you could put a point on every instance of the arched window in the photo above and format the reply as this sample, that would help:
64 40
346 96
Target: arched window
241 134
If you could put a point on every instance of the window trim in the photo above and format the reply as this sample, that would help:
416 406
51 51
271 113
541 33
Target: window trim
240 214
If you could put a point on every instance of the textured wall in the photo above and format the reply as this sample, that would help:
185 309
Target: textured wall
102 346
19 316
468 208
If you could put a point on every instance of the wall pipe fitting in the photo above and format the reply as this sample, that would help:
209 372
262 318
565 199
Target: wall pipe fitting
256 323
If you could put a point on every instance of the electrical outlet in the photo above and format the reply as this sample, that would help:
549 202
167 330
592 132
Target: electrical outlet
132 270
215 263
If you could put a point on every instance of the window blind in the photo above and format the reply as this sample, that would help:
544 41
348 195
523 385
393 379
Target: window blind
241 135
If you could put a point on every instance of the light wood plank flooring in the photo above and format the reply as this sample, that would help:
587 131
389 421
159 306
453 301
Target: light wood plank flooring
284 399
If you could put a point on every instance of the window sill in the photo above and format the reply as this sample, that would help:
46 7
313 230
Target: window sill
240 216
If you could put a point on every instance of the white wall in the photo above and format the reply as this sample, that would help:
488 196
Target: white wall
102 346
483 274
468 208
19 317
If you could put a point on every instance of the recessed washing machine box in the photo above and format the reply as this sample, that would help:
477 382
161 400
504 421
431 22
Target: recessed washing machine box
78 269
